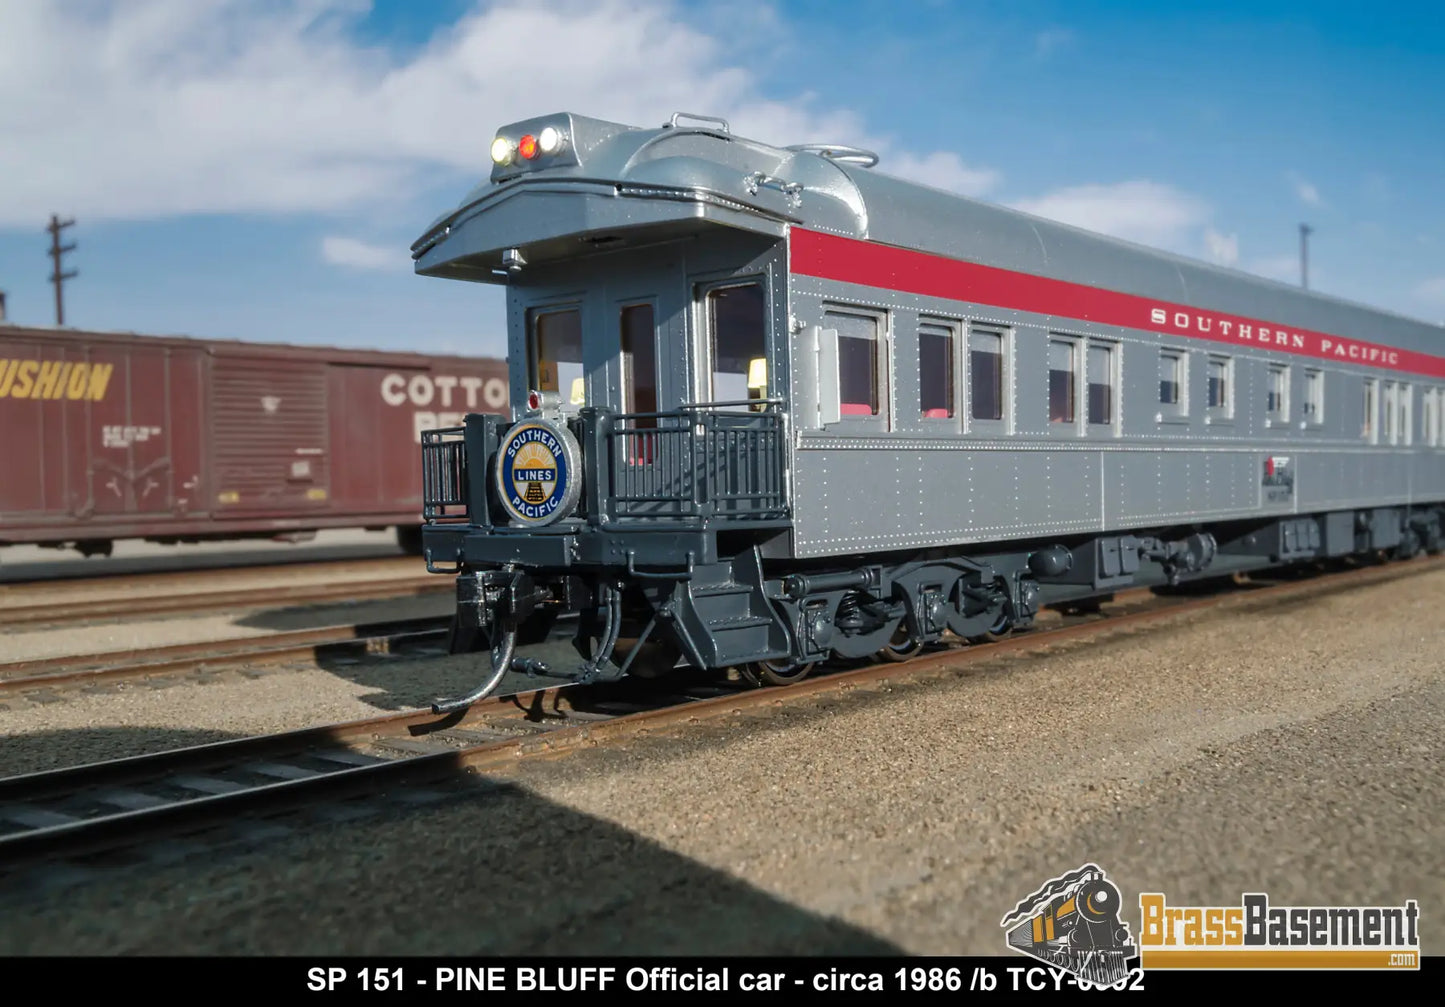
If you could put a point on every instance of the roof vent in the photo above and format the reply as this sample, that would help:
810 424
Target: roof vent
838 152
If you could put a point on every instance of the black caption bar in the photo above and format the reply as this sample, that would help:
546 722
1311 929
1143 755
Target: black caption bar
389 979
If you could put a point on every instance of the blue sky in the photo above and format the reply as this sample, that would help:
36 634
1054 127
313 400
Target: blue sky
255 169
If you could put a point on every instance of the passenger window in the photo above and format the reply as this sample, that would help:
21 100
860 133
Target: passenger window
1277 393
555 355
1221 387
986 373
858 346
1404 403
1313 407
1429 417
1391 397
1063 381
737 327
1100 372
1367 429
935 369
639 359
1172 382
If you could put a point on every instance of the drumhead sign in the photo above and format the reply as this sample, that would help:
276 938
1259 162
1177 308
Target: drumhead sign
538 474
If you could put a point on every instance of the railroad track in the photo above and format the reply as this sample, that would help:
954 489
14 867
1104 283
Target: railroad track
413 638
46 605
65 814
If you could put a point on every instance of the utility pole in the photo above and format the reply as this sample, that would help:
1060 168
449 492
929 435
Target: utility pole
56 276
1304 262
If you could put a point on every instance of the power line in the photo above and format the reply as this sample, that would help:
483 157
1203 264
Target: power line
58 277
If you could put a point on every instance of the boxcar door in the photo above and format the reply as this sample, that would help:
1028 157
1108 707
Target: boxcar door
143 430
270 435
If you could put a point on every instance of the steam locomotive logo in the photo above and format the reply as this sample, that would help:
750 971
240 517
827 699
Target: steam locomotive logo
1072 922
538 479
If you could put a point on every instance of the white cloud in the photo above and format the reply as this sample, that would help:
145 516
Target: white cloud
1050 40
152 108
1432 292
1284 268
360 255
943 170
1223 248
1304 189
1146 212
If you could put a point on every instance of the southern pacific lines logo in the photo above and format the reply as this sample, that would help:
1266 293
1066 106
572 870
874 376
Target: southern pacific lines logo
1255 934
54 379
535 472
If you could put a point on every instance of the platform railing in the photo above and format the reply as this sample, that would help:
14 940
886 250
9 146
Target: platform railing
721 460
444 475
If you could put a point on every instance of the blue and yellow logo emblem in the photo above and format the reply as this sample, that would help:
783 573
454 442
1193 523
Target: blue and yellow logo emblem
537 477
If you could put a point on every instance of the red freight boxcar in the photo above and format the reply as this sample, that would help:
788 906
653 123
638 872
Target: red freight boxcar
108 436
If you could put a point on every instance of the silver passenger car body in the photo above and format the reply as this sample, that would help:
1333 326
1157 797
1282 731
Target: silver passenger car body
832 236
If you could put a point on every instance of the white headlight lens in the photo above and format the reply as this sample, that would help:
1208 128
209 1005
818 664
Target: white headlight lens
550 140
501 150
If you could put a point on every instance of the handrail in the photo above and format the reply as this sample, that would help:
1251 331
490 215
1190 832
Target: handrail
701 118
732 404
839 152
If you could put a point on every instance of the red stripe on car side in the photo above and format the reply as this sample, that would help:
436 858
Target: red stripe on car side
849 260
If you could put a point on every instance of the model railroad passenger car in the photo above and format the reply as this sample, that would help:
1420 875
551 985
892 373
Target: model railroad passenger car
111 436
771 407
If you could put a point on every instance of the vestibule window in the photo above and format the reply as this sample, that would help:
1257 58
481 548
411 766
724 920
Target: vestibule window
737 331
555 355
639 359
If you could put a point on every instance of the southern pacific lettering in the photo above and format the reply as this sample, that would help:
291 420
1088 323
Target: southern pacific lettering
54 379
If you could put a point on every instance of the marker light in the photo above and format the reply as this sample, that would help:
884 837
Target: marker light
534 400
579 392
528 147
550 140
502 150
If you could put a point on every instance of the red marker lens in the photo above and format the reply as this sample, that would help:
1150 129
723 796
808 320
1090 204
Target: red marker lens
528 146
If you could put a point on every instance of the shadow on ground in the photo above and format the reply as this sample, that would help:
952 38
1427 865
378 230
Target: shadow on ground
460 866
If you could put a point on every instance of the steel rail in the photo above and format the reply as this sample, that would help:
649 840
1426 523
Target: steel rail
270 649
588 723
62 612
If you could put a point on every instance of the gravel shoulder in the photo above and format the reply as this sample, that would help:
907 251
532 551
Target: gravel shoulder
1291 748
